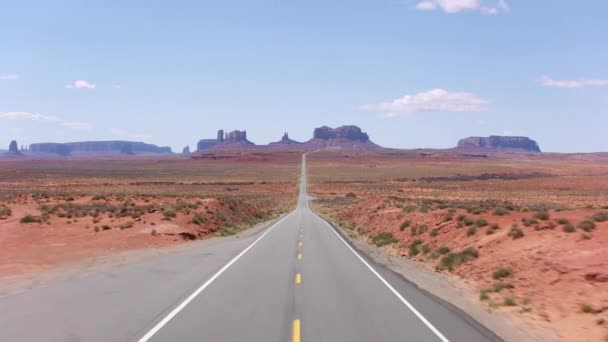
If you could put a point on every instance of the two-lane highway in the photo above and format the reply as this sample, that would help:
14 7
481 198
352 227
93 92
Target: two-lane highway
297 280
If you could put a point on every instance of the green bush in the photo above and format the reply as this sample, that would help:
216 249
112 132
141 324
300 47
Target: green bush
452 260
127 224
434 232
502 286
492 229
600 217
528 221
569 228
383 239
5 211
542 215
563 220
500 211
516 232
30 219
405 224
443 250
170 212
426 249
198 219
414 250
502 273
510 301
481 223
587 226
472 231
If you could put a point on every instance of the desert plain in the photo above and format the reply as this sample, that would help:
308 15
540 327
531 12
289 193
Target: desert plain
527 231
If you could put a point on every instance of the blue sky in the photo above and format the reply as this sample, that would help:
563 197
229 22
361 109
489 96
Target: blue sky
419 73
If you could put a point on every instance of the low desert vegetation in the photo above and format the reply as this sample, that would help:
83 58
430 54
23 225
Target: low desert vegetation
502 272
5 211
384 239
452 260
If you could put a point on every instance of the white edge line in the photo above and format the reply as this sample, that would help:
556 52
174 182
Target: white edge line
183 304
403 300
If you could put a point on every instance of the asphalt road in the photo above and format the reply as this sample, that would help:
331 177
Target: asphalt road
297 280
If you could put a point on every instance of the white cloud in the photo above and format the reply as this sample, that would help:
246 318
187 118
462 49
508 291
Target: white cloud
46 118
455 6
436 100
116 86
9 77
81 84
547 81
27 116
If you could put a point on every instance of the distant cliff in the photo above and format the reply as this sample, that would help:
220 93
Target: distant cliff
494 142
85 148
343 137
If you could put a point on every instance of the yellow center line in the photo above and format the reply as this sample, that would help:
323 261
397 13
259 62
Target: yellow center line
300 244
298 278
299 256
296 330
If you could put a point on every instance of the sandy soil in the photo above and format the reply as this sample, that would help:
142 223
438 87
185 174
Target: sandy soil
515 237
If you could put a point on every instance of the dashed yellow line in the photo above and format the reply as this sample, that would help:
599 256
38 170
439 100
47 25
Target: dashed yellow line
298 278
299 256
296 330
300 244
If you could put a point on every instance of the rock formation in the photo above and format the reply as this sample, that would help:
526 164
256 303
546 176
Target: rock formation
286 143
231 140
344 137
93 148
186 150
353 133
499 143
13 149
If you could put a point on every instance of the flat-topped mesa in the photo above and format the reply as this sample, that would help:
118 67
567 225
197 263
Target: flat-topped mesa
236 136
94 148
343 132
343 137
498 143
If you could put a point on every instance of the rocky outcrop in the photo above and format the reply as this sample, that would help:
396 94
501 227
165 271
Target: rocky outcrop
352 133
51 148
13 149
285 142
231 140
494 142
93 148
186 150
343 137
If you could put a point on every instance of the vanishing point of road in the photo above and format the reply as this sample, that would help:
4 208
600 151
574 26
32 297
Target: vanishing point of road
296 280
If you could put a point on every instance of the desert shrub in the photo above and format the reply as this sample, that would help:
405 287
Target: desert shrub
528 221
569 228
434 232
5 211
500 211
443 250
472 231
587 308
468 221
563 220
30 219
452 260
127 224
351 194
502 272
426 249
481 223
600 217
476 210
516 232
502 286
510 301
170 212
422 229
484 295
221 216
492 229
198 219
542 215
414 250
587 225
383 239
461 218
405 224
106 227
